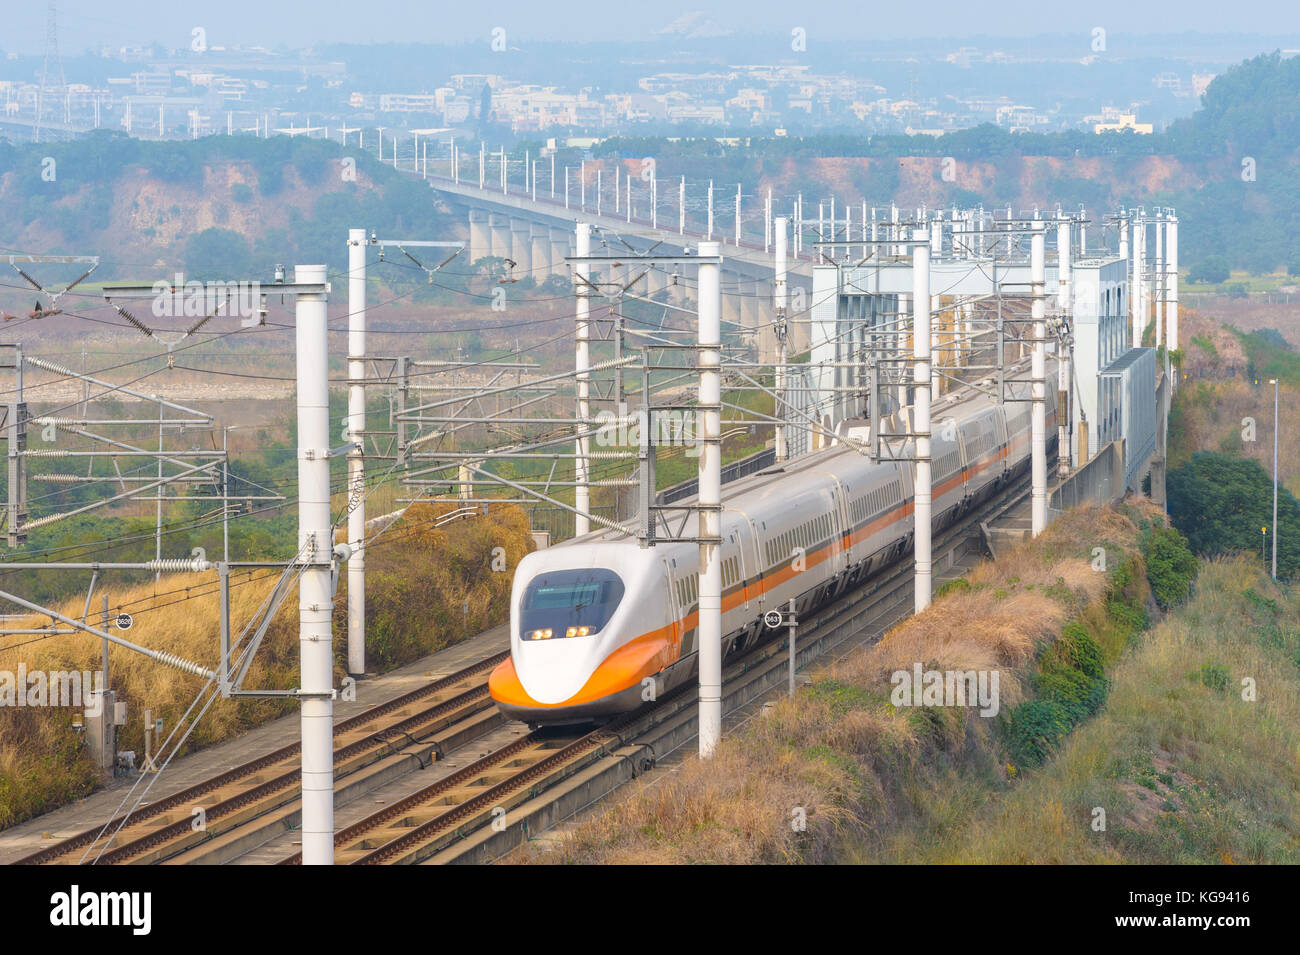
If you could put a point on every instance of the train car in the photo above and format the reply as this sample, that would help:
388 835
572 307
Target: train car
600 625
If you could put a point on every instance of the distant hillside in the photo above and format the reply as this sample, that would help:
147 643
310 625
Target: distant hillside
219 206
1230 169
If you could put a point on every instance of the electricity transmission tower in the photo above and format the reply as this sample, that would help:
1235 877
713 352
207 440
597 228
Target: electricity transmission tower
51 51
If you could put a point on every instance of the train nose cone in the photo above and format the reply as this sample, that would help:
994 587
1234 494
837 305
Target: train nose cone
553 671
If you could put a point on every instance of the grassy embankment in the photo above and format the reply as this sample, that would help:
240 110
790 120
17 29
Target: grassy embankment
428 588
1227 383
885 783
1186 766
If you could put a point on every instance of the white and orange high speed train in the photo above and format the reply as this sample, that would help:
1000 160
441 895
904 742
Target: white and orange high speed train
595 619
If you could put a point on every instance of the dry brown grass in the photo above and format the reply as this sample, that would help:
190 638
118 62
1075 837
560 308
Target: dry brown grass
419 579
1210 419
1186 772
861 769
1225 357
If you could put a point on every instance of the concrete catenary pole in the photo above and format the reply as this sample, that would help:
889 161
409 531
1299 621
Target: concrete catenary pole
782 334
681 207
1125 254
921 415
1038 384
1158 277
709 233
315 550
1171 266
356 456
936 322
767 221
737 214
1064 291
582 362
1139 280
710 498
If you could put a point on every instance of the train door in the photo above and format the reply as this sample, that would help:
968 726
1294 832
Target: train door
756 552
742 570
675 609
1000 442
840 517
966 432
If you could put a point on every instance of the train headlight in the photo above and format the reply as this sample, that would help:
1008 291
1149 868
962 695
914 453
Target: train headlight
543 634
577 631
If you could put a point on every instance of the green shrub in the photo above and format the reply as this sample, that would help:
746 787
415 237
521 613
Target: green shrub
1171 565
1215 676
1220 502
1034 729
955 586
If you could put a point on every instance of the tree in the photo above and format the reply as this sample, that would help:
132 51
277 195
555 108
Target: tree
1220 502
1212 269
217 254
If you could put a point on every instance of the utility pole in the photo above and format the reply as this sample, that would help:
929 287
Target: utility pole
782 337
582 362
315 554
681 207
1171 271
357 243
1064 418
1038 375
737 215
709 233
710 497
921 415
767 222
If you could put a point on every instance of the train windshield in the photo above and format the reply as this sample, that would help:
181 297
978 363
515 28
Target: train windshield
569 603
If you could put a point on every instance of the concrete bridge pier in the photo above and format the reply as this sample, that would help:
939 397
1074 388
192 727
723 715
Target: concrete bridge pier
655 282
560 244
499 235
733 318
751 312
521 247
480 241
539 238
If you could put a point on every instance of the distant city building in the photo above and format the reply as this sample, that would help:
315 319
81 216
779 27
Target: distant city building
1121 122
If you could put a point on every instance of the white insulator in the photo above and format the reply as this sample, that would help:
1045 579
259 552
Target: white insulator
613 363
41 521
46 453
178 565
180 663
50 366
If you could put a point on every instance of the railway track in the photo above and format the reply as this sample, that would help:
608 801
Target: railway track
495 803
261 797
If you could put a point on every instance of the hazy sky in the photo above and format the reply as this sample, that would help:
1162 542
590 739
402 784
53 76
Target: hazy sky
91 23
